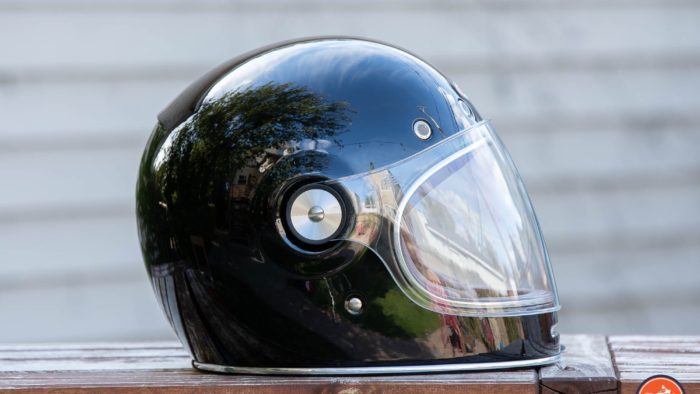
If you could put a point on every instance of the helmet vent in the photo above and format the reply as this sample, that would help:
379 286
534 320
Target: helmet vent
422 129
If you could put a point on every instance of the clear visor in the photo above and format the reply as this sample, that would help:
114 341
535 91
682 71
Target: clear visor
456 229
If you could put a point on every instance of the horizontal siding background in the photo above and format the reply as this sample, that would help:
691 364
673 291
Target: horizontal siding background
598 102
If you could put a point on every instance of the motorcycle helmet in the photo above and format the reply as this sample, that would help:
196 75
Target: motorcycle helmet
336 205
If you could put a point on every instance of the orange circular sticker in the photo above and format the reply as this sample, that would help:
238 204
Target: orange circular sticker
660 384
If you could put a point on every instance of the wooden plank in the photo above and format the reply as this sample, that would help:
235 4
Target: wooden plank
602 219
190 381
637 263
617 155
96 356
95 110
84 288
79 258
548 163
553 94
603 303
498 32
89 246
552 75
108 306
585 367
41 179
69 250
164 367
158 367
521 97
639 357
622 311
208 5
613 215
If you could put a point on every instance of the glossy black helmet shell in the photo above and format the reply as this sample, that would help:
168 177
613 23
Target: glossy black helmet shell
239 288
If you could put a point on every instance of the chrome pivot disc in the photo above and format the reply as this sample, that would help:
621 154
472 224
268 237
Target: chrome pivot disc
315 214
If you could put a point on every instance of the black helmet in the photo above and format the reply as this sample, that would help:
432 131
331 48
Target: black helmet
336 205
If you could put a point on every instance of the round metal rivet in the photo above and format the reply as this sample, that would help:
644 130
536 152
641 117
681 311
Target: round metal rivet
316 213
353 305
422 129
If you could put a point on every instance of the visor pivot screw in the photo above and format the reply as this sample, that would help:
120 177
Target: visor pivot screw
316 213
353 305
422 129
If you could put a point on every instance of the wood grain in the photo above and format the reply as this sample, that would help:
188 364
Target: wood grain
585 367
190 381
639 357
165 367
590 364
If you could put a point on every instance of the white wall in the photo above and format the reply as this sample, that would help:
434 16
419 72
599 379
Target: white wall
598 101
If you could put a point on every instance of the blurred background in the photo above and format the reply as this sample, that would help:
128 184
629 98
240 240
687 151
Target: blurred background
598 101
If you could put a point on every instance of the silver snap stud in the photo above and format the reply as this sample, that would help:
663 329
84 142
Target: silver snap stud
353 305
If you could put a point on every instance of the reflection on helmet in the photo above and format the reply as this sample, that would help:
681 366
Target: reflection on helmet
292 220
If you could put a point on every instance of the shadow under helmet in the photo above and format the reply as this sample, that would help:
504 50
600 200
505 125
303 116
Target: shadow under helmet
337 206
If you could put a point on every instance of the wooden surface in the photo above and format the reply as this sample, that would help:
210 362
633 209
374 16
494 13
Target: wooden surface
596 100
637 357
585 367
590 364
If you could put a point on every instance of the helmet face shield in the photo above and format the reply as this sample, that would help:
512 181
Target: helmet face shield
456 229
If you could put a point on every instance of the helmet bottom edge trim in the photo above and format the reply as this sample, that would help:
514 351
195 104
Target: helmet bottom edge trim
378 370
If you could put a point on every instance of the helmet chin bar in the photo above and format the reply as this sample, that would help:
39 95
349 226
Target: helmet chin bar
314 215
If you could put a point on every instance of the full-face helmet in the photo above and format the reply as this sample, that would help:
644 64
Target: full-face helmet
338 206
